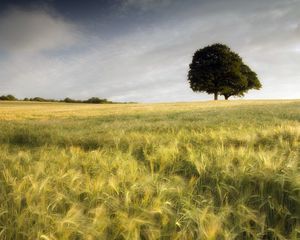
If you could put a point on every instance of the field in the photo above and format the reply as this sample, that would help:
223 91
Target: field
210 170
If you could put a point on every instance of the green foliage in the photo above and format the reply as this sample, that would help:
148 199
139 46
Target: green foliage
39 99
70 100
8 98
216 69
184 171
94 100
90 100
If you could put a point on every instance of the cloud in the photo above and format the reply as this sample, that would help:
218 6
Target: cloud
150 64
34 30
146 4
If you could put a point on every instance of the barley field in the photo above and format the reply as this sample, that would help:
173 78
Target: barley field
206 170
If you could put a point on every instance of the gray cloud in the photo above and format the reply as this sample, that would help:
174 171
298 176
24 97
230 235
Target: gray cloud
150 64
146 4
34 30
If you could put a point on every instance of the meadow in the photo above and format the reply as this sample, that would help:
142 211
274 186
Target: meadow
203 170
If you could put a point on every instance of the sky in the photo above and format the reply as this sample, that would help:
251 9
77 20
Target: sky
140 50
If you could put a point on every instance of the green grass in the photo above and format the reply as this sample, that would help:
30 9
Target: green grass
225 170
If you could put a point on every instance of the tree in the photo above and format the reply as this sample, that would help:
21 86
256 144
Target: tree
217 70
69 100
38 99
95 100
8 98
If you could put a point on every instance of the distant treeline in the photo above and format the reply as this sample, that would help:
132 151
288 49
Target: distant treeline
66 100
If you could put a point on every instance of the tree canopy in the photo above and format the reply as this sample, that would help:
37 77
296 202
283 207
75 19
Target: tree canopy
8 97
217 70
95 100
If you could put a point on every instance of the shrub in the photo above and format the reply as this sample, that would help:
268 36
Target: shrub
8 97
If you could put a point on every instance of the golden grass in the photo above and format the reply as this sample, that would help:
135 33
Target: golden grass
33 110
210 170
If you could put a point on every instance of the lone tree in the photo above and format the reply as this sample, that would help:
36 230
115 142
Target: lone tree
217 70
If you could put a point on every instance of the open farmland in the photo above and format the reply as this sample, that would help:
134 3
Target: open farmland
210 170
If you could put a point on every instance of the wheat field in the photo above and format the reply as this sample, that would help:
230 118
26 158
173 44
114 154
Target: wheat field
202 170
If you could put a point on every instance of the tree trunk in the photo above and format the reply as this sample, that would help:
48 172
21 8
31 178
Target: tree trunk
216 96
226 97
